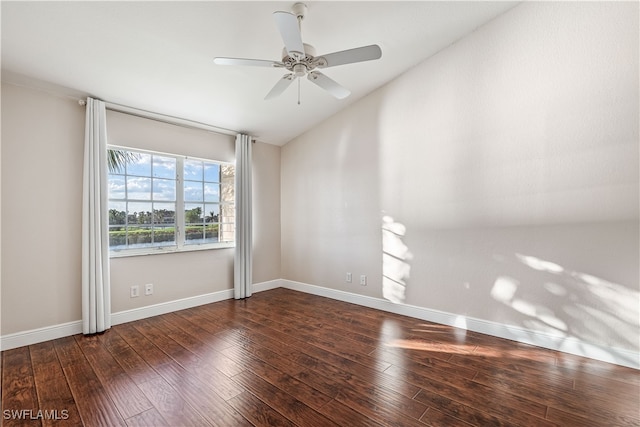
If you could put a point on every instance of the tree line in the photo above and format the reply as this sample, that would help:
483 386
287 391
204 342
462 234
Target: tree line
160 216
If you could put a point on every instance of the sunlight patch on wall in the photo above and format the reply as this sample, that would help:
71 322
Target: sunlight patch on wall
504 289
395 260
540 264
555 289
588 307
619 299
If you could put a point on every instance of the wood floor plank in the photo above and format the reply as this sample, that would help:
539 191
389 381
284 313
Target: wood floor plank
574 401
357 393
343 415
151 354
597 368
170 404
113 342
125 394
206 397
187 359
350 373
68 351
496 401
258 412
413 360
44 360
565 418
130 361
19 396
436 418
249 358
203 344
319 337
287 405
135 365
54 394
150 418
381 408
508 363
303 392
166 344
469 414
194 324
284 358
93 402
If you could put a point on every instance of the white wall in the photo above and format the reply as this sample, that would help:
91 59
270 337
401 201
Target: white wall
41 213
266 216
42 144
0 224
507 165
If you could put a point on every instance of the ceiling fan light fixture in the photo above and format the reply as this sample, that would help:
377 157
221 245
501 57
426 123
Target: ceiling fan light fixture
299 70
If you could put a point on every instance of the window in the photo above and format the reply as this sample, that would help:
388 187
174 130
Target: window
208 202
167 202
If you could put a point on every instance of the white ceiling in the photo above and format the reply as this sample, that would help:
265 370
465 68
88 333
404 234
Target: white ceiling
158 56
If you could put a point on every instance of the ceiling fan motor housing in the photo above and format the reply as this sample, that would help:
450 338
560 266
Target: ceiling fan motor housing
301 66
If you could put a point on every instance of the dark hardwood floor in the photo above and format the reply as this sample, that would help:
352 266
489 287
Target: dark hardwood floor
284 358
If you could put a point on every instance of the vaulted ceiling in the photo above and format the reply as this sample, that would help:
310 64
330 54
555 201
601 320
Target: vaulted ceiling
158 56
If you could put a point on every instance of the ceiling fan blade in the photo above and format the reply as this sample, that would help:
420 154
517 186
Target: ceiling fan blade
359 54
280 87
328 84
249 62
290 31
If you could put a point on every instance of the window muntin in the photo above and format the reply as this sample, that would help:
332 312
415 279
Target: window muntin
159 201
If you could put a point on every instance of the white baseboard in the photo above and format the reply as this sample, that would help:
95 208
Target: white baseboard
572 345
265 286
184 303
34 336
169 307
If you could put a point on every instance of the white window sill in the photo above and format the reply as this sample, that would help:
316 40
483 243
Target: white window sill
169 250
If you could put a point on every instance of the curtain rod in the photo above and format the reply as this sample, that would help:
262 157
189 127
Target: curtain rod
172 120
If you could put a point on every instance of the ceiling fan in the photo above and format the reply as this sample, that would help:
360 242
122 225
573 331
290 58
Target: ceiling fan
300 59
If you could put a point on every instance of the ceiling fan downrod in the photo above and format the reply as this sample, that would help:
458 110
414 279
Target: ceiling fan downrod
299 10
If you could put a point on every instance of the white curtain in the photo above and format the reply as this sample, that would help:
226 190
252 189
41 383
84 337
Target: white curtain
244 232
96 296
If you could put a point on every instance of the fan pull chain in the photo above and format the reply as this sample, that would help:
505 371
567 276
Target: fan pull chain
298 91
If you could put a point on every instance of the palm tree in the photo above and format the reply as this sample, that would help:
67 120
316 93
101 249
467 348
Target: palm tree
116 159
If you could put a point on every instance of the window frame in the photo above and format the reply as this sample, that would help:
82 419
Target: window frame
180 224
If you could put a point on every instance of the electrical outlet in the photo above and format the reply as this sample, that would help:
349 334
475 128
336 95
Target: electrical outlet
349 278
135 291
148 289
363 280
